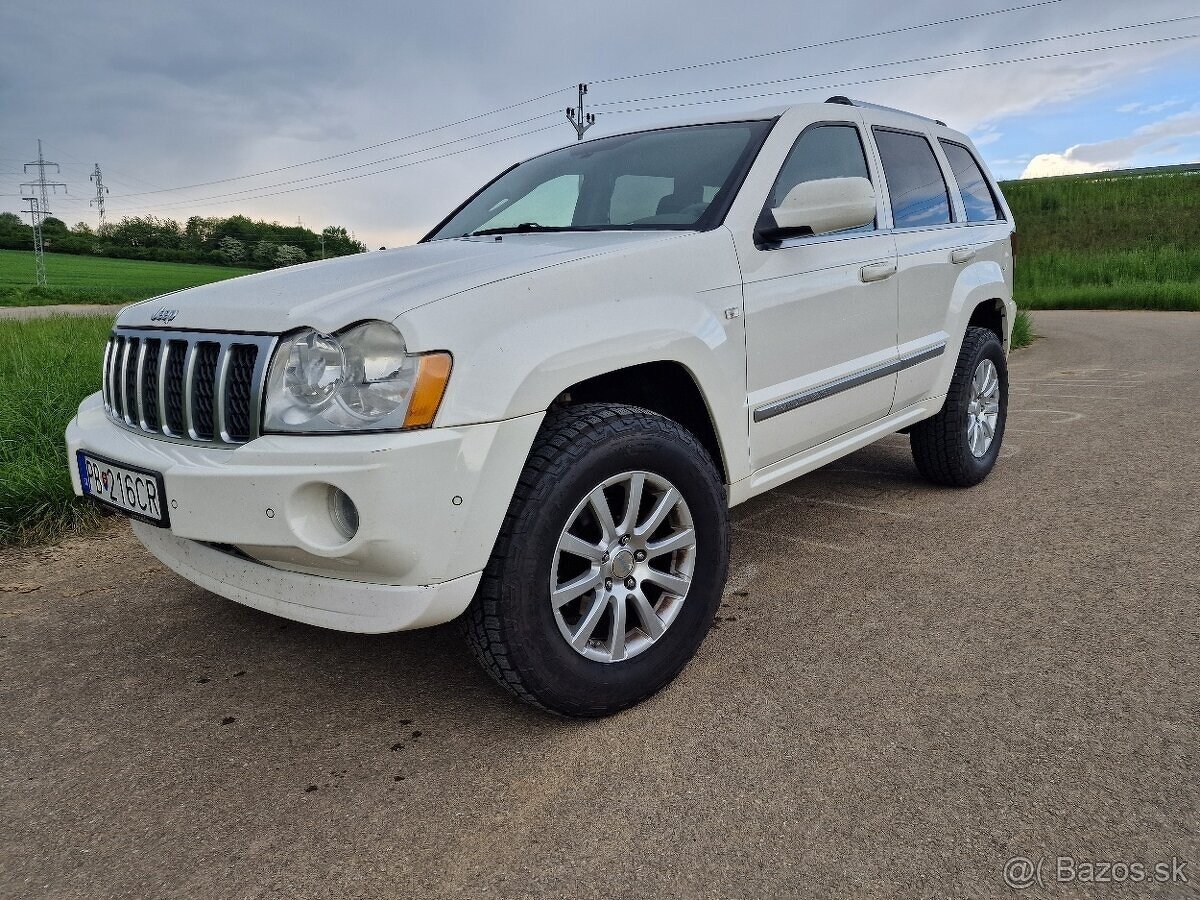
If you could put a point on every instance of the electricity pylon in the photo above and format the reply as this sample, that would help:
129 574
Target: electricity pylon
39 206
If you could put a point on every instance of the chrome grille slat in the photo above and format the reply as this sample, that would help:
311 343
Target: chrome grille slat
104 391
221 375
189 387
164 352
114 395
125 380
189 390
140 384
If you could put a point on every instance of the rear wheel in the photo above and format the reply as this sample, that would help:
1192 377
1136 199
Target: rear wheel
960 445
610 565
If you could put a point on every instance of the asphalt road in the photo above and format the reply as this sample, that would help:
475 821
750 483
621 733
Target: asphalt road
908 686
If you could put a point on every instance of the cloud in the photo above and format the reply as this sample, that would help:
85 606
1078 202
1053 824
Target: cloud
1045 165
1116 152
988 137
171 96
1150 108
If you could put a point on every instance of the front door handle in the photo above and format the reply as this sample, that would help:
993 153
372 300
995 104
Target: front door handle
878 271
962 255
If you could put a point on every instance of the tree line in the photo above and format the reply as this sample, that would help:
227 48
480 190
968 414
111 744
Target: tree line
232 241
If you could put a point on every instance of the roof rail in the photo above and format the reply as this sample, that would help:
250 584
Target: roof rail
862 104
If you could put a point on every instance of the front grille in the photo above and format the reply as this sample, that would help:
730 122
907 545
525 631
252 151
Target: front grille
195 387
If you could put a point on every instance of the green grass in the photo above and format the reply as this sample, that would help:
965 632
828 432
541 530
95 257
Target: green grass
1022 333
46 367
95 279
1142 278
1108 241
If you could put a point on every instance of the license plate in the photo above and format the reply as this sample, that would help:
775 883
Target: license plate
136 492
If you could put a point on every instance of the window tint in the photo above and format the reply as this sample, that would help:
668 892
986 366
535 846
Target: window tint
976 193
914 179
637 197
827 151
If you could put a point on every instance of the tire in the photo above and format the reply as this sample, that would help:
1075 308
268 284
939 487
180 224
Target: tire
523 639
942 445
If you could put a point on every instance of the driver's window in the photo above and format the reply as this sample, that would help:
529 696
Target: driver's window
823 151
551 204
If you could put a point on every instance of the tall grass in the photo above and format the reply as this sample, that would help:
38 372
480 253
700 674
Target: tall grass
1165 277
1126 241
1106 212
47 366
1022 333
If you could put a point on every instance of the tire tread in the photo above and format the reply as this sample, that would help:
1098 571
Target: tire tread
938 446
563 440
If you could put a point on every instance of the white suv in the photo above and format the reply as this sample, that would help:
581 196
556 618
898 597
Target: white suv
538 418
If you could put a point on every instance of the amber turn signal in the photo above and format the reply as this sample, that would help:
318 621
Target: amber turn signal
433 372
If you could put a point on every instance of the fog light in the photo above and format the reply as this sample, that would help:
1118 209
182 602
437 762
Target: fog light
343 512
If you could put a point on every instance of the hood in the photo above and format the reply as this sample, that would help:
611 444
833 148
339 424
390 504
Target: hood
331 294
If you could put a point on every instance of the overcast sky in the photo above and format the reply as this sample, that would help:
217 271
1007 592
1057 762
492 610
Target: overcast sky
166 96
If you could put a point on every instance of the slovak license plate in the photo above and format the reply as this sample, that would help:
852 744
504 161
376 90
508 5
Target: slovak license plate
136 492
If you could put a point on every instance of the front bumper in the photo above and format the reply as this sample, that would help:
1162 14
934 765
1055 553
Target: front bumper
430 505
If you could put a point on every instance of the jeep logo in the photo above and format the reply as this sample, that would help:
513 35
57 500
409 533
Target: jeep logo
164 315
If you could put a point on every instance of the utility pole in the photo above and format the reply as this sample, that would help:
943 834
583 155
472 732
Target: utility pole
101 190
39 206
321 238
581 121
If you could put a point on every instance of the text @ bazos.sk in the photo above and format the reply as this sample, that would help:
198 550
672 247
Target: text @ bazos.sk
1021 872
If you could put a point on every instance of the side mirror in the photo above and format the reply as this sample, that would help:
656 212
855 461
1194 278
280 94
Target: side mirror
818 207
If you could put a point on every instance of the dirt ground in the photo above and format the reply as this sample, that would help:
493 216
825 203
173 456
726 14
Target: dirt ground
908 687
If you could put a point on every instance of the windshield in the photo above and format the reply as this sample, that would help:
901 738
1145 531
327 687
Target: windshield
674 178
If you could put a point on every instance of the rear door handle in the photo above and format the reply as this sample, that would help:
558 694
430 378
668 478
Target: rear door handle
878 271
962 255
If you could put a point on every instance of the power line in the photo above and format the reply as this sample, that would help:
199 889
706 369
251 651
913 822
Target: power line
263 187
202 202
898 62
830 43
256 196
551 93
882 78
386 143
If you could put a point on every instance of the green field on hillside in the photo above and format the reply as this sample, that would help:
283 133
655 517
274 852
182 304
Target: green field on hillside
1127 240
93 279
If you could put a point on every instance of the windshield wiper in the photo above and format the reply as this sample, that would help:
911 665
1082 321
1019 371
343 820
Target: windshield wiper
523 228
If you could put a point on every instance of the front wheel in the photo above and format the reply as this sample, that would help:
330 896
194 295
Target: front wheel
610 565
960 445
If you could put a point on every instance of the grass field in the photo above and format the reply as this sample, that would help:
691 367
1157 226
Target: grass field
95 279
1108 241
46 367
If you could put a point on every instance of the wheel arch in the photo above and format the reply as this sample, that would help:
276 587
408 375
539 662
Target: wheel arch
992 315
666 387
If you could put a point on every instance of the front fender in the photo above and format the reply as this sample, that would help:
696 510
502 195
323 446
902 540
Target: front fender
519 344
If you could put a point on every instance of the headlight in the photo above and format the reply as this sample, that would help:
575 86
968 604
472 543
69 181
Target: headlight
362 379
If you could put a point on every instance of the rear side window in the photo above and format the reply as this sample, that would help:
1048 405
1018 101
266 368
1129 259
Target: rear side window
976 193
914 179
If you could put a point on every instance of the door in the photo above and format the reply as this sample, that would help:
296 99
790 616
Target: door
931 249
820 314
